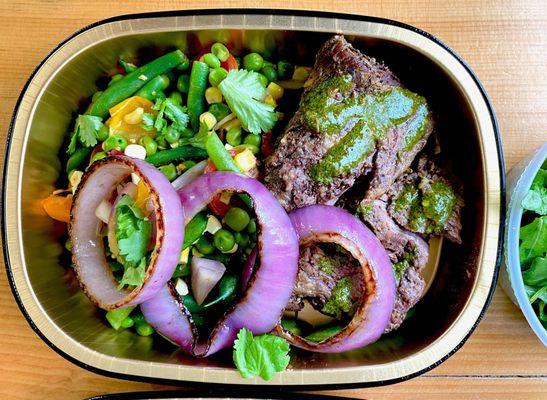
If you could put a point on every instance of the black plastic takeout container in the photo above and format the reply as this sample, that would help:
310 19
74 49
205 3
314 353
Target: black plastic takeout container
63 317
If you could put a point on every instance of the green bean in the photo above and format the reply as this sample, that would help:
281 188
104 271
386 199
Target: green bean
184 65
176 154
77 158
219 155
169 170
237 218
211 60
144 329
183 83
194 230
223 240
220 51
181 270
176 98
133 81
96 96
219 110
291 325
196 92
253 62
227 289
204 246
127 323
253 139
156 86
233 136
323 334
114 79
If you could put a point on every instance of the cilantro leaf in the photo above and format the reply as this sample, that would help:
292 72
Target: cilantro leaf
133 232
533 240
262 355
243 92
133 276
177 114
536 198
536 275
72 144
199 139
148 121
86 128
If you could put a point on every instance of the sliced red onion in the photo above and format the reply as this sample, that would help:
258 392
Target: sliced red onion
248 268
205 275
321 223
88 254
270 286
189 176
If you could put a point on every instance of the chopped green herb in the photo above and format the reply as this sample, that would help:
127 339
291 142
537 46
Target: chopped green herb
340 299
85 130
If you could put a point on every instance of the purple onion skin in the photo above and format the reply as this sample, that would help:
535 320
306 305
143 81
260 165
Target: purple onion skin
328 223
88 254
270 286
248 269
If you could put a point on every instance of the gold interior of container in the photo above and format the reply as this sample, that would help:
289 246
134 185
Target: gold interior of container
49 292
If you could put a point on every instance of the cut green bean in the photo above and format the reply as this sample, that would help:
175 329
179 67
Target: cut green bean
194 230
219 155
133 81
176 154
196 92
77 158
153 88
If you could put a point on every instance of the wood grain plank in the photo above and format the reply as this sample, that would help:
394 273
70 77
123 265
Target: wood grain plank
506 45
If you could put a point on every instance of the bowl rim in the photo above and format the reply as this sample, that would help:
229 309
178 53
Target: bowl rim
512 237
499 221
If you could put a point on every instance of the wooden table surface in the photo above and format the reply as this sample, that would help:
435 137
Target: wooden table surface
505 42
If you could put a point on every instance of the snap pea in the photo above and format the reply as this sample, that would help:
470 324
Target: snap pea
76 159
196 92
183 83
176 154
194 230
154 87
227 288
127 323
171 134
322 334
219 155
219 110
127 66
115 317
133 81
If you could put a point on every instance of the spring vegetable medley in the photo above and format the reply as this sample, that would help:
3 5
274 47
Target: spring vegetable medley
204 207
533 244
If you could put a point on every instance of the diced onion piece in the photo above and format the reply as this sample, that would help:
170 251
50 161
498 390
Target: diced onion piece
103 211
213 225
181 287
184 254
135 178
228 146
205 275
135 151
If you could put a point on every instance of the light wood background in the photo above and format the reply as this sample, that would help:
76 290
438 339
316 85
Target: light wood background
505 42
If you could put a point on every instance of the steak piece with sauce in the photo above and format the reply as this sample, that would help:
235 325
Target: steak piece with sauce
354 119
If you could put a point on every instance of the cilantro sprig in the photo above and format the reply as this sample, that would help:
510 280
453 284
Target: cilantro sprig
244 92
85 131
262 355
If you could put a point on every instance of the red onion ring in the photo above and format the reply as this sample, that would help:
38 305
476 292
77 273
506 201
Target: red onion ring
321 223
88 255
189 176
248 268
270 286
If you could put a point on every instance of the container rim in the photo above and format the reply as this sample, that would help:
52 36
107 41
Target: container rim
266 12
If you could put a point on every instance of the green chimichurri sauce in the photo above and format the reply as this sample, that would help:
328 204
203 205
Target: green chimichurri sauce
340 299
326 265
333 108
429 207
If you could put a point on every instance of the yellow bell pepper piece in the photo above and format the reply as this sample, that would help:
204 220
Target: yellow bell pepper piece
126 118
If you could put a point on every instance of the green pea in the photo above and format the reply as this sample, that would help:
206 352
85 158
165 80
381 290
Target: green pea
217 75
243 240
270 73
220 51
253 62
237 218
267 63
144 329
115 142
211 60
127 322
176 97
98 156
251 227
171 135
285 69
204 246
253 139
188 164
219 110
254 149
68 245
138 319
233 136
224 240
150 145
183 66
103 133
183 83
115 79
169 171
263 80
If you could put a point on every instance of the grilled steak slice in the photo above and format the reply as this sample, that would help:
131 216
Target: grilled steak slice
320 269
407 251
425 201
354 119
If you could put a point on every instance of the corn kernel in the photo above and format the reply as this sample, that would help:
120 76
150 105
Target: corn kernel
208 119
213 95
134 117
181 167
275 90
301 73
245 160
183 258
270 100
